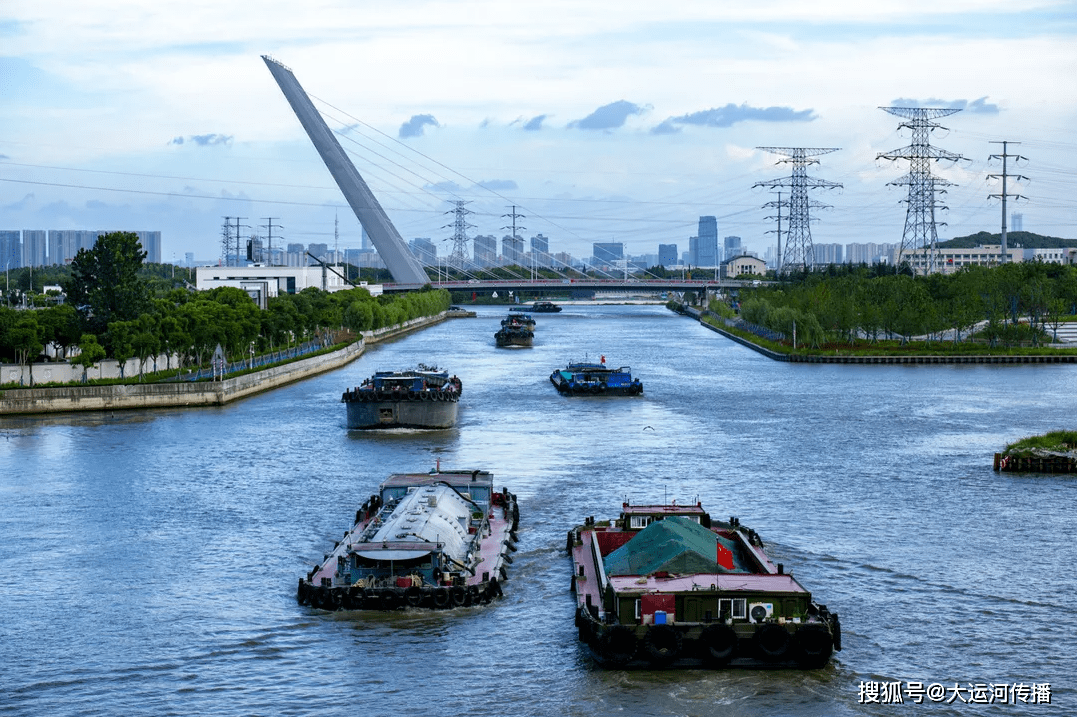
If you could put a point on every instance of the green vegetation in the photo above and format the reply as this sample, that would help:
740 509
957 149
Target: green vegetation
1028 240
975 310
1055 442
123 312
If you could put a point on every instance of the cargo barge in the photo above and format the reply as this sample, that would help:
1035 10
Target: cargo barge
583 378
665 586
423 398
435 540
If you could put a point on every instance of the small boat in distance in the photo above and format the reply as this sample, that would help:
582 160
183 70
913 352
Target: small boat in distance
539 307
667 586
423 398
584 378
427 540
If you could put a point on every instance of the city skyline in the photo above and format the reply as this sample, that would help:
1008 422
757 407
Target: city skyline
626 128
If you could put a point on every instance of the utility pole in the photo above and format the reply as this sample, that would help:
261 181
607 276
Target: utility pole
778 204
1004 156
269 225
515 237
798 245
238 225
920 227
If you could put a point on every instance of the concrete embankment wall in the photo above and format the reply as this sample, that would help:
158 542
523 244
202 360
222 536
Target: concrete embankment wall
182 394
941 359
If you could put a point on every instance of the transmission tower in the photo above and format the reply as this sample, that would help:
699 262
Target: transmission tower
459 257
1003 194
920 225
799 253
226 239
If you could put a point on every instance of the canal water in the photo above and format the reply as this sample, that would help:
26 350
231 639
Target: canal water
149 559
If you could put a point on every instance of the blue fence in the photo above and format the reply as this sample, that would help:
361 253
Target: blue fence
259 360
761 331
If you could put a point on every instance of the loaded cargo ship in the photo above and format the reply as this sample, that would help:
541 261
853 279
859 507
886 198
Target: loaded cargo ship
539 307
583 378
423 398
438 540
516 331
665 586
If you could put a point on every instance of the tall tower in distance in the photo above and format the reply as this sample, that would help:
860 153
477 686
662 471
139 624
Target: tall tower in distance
920 226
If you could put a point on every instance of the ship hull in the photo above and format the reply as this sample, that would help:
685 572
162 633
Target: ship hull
420 413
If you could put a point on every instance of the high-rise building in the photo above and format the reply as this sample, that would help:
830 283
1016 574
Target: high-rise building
11 248
731 246
424 250
540 250
827 253
485 250
512 250
608 252
707 242
869 253
1017 222
151 244
33 247
188 258
667 254
318 250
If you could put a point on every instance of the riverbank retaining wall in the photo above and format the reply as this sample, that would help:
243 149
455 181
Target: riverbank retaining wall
202 393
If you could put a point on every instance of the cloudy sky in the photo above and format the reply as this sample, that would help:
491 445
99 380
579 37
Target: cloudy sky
600 121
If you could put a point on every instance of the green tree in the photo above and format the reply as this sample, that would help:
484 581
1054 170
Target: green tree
90 353
105 286
26 337
121 339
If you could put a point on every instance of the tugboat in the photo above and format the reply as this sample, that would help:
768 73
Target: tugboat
665 586
516 331
423 398
584 378
539 307
441 539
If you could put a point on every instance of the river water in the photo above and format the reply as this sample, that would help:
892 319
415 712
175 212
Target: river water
150 559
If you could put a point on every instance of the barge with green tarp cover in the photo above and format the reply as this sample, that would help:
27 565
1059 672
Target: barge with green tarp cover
665 586
441 539
424 398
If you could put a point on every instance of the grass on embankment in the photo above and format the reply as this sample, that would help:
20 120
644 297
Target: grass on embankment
893 348
1055 441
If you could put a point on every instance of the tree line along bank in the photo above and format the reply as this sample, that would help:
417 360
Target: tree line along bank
113 309
1004 306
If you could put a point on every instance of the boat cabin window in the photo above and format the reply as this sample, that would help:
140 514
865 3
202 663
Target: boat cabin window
736 609
640 521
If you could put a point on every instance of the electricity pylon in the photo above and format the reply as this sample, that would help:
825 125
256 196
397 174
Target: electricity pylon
920 225
799 252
